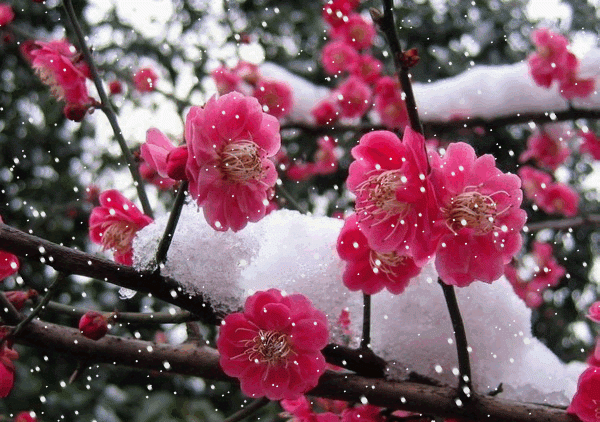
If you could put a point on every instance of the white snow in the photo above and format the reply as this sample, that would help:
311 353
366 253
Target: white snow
296 253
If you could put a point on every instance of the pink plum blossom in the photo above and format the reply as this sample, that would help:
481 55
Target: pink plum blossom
7 369
275 97
368 270
548 270
335 12
586 402
226 80
590 145
150 175
274 346
326 112
550 61
93 325
115 223
594 312
145 80
571 86
534 184
356 31
229 142
155 151
480 220
548 150
26 417
354 97
367 67
6 14
9 263
338 57
59 66
389 103
531 295
395 203
561 199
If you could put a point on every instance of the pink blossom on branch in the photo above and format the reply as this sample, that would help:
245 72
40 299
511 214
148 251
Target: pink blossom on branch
59 66
368 270
571 86
547 149
6 14
586 402
550 61
145 79
338 57
590 145
395 203
354 97
355 31
326 112
561 199
93 325
9 263
274 346
229 144
335 12
367 67
534 184
389 103
115 223
275 97
26 417
481 220
155 152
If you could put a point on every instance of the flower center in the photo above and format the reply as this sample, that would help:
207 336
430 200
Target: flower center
46 75
387 263
119 235
381 190
270 347
240 162
472 210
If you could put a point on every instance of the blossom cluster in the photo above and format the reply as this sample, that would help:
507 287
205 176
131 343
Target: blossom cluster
410 207
362 84
553 62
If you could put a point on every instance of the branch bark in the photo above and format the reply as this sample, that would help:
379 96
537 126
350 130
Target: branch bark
203 362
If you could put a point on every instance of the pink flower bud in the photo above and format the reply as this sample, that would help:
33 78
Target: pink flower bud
115 87
93 325
145 80
19 297
594 312
76 112
176 162
6 14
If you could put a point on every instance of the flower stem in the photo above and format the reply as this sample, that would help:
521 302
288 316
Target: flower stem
365 342
248 410
387 25
108 110
165 242
462 348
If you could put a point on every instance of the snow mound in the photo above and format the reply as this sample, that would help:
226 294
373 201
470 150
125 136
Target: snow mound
297 253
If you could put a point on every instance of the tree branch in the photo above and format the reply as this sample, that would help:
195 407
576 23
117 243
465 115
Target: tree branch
564 223
108 110
203 362
165 242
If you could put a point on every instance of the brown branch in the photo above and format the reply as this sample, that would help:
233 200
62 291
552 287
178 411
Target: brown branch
434 127
564 223
76 262
203 362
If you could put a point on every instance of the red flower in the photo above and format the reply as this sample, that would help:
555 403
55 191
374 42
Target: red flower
550 61
480 220
548 150
354 97
591 144
594 312
154 152
9 263
367 67
338 57
274 346
114 224
19 297
275 97
6 14
561 199
356 31
586 402
93 325
326 112
395 203
368 270
226 80
229 143
145 80
389 103
7 369
534 184
335 12
115 87
59 66
571 86
26 417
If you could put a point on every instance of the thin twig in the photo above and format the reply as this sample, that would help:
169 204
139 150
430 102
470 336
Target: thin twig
365 341
288 196
165 242
564 223
106 107
388 26
248 410
40 306
462 348
127 317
